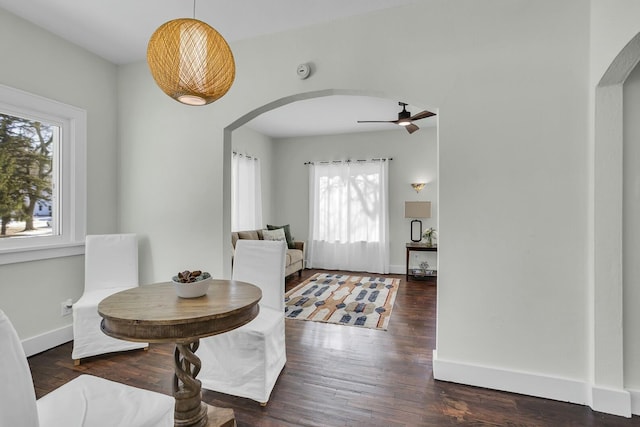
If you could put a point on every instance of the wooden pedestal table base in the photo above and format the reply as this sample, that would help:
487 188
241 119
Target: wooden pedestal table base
155 314
190 410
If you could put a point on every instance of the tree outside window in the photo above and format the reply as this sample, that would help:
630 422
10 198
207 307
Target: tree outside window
26 175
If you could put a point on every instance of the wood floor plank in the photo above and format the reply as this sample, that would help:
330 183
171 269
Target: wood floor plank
339 376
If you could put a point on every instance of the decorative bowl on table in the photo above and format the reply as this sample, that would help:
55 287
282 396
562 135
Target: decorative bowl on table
191 284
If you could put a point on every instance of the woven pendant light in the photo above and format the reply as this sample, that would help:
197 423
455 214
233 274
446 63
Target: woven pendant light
190 61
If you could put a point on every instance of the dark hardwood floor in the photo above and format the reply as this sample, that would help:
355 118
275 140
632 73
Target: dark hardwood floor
344 376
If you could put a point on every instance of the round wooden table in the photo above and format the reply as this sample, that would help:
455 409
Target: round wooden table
155 314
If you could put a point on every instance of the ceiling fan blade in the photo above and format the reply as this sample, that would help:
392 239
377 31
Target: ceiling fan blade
423 115
411 128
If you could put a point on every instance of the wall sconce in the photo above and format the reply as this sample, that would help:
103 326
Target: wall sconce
417 210
418 186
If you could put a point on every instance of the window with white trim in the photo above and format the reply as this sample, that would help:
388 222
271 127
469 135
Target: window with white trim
42 177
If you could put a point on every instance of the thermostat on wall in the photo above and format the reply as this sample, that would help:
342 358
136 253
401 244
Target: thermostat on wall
303 71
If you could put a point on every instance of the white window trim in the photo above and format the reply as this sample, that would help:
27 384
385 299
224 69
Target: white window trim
73 173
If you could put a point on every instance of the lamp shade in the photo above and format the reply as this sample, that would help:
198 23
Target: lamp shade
417 209
190 61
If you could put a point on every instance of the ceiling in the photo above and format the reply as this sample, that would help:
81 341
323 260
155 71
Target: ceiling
118 30
332 115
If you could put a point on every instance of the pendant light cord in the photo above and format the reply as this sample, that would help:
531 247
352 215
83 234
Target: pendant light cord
194 9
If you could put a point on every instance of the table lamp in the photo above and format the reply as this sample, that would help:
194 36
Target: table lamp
417 210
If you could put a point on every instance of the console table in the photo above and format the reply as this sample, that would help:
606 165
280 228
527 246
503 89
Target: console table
421 247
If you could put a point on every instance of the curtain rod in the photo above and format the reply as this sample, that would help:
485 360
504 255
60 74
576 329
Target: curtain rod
326 162
244 155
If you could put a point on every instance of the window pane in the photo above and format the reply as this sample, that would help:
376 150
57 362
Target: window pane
27 177
348 203
42 167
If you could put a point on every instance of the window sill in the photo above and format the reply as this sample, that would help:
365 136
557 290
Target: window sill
41 252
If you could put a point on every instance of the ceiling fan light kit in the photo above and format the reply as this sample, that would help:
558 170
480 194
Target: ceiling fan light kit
190 61
405 118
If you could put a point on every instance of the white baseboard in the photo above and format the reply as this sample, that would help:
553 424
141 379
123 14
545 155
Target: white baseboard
397 269
611 401
48 340
394 269
635 401
616 402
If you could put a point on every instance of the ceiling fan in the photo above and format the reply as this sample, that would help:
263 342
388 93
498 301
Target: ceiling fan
404 118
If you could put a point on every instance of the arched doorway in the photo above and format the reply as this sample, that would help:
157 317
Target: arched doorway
608 392
229 144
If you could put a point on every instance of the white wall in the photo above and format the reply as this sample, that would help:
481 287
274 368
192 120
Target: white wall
513 196
40 63
614 51
510 81
613 24
631 227
414 160
249 142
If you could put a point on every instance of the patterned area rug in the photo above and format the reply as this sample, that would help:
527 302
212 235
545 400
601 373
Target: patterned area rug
344 300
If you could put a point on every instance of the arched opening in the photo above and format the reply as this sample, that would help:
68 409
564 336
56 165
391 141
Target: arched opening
631 230
608 377
230 144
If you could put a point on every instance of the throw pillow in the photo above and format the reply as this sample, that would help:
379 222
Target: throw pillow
251 234
274 235
287 233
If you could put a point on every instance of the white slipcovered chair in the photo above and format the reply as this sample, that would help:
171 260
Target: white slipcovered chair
85 401
110 266
247 361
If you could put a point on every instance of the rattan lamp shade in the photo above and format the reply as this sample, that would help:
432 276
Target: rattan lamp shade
190 61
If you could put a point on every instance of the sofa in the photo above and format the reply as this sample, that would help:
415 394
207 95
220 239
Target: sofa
294 260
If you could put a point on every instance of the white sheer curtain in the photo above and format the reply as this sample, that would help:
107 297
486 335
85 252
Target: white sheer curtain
246 193
349 216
